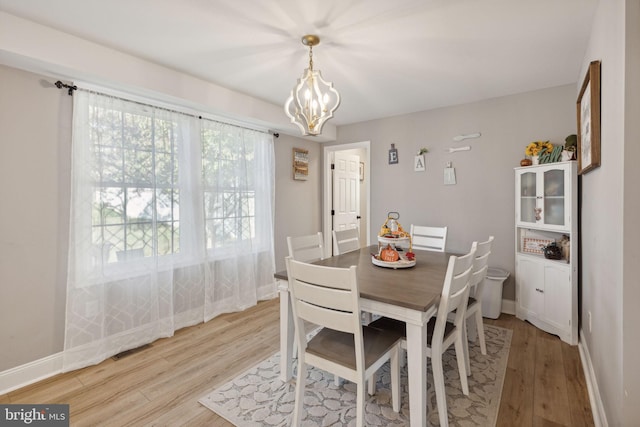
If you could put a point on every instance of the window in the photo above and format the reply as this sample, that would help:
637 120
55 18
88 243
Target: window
136 195
152 169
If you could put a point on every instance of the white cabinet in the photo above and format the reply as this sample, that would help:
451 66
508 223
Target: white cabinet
546 211
543 196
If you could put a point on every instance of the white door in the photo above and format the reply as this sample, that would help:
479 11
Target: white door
346 191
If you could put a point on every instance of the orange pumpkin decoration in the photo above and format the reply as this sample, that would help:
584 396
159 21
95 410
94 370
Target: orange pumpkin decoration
389 254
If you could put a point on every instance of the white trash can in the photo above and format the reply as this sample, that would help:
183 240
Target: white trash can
492 293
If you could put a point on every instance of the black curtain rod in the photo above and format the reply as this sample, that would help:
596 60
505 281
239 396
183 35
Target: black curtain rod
61 85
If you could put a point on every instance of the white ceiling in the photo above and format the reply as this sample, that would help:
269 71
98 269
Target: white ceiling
385 57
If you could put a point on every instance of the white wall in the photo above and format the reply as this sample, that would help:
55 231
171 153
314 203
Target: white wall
482 201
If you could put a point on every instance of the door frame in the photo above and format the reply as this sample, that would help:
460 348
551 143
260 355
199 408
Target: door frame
328 151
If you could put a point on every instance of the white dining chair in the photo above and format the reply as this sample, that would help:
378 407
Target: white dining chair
306 248
329 297
442 333
476 287
428 238
346 240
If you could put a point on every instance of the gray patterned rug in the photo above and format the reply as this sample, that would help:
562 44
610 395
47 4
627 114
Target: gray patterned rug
258 397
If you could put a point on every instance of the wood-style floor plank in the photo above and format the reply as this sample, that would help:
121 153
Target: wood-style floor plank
550 398
161 385
579 403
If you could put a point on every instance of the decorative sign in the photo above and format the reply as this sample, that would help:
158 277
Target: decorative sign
393 155
300 164
534 246
418 163
449 175
551 157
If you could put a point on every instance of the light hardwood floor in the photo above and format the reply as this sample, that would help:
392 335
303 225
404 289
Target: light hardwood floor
161 385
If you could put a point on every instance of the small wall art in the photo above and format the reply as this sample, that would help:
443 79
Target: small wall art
393 155
300 164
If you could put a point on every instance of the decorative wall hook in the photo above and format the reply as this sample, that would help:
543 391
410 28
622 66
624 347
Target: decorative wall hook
467 136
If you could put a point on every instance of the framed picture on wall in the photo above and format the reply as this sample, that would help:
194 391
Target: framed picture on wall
300 164
588 109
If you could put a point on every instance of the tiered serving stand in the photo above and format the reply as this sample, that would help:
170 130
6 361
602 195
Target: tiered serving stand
401 244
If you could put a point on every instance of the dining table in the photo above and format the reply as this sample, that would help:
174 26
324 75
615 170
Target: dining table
407 294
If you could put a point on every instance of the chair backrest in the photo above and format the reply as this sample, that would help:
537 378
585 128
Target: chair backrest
455 292
429 238
306 248
480 267
346 240
327 297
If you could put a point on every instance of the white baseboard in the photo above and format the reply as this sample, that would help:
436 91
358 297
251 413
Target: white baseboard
599 416
508 306
29 373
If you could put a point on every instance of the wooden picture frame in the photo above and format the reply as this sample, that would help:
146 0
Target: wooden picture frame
588 109
300 164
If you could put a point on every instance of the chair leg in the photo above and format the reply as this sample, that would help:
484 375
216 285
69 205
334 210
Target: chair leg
336 380
296 418
480 325
438 383
461 345
360 402
372 384
395 379
471 323
465 349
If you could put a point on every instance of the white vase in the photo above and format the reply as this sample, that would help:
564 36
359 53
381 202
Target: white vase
534 160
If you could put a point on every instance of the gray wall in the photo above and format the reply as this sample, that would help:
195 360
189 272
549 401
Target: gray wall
610 269
482 201
35 120
297 202
631 235
35 137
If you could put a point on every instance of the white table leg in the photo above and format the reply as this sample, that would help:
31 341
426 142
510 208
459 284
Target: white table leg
286 335
417 359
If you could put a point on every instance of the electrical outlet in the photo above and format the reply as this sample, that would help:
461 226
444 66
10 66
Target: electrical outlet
589 316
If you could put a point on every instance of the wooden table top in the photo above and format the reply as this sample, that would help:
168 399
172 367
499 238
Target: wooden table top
417 288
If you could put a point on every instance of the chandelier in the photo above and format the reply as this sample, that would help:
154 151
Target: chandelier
312 100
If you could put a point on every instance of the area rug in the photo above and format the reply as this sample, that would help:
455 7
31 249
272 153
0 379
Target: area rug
258 397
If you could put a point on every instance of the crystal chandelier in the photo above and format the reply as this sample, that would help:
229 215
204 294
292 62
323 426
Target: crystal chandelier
313 100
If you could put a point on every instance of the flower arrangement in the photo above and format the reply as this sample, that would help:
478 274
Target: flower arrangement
538 147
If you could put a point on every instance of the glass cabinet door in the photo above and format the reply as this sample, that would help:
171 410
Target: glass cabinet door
554 194
528 197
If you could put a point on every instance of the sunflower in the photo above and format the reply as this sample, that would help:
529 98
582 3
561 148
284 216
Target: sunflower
538 147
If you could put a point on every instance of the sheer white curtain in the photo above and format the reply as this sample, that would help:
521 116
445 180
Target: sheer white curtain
171 224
